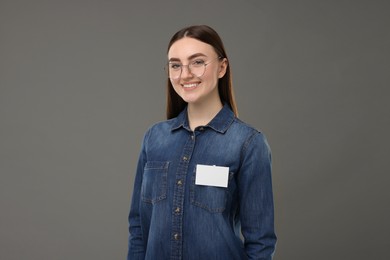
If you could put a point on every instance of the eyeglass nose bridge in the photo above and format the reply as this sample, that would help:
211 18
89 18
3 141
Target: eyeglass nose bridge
189 69
193 69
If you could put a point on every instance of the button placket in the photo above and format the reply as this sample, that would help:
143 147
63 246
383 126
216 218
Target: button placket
178 197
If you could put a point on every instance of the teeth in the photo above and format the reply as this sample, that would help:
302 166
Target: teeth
190 85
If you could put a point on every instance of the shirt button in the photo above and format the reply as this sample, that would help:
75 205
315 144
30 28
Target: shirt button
192 137
179 182
177 210
185 158
201 129
176 236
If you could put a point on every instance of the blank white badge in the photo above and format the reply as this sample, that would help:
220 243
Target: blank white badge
211 175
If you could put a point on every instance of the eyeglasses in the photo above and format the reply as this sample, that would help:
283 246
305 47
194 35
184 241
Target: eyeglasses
196 68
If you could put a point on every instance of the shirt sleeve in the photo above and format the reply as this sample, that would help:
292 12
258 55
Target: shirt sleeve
256 198
136 247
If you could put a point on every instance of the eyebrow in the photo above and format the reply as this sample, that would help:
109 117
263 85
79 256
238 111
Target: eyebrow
195 55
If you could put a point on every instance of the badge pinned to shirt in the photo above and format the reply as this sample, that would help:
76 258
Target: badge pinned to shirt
211 175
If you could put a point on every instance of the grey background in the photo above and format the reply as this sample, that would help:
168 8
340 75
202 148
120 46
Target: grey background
80 82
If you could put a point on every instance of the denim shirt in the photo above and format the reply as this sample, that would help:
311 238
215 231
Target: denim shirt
173 218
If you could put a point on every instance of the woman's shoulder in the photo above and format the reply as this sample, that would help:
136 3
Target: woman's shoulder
245 127
252 136
161 127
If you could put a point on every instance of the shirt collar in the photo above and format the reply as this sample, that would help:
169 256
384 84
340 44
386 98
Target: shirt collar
220 123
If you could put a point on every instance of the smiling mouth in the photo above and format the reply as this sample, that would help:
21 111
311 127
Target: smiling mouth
191 85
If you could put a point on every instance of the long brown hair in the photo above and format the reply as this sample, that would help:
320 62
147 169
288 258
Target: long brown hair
203 33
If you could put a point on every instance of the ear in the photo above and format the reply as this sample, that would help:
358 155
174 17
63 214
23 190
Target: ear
222 67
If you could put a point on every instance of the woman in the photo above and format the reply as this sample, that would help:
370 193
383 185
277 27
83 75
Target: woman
203 179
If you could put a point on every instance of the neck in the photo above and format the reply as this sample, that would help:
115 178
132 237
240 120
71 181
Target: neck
202 114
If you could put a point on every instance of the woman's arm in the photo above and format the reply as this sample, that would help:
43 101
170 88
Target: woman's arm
136 249
256 198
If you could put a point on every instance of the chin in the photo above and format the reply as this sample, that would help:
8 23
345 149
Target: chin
190 100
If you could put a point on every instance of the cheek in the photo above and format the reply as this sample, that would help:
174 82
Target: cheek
175 85
211 78
212 73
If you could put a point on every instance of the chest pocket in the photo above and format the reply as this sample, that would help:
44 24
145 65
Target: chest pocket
210 198
154 182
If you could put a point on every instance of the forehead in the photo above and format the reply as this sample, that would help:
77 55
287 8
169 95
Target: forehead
182 49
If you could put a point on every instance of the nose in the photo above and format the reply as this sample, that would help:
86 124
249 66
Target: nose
186 72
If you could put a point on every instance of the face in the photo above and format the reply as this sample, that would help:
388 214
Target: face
193 88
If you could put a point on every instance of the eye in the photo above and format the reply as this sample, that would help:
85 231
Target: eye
174 66
197 63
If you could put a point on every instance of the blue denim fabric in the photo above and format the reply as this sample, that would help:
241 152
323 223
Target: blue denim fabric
172 218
